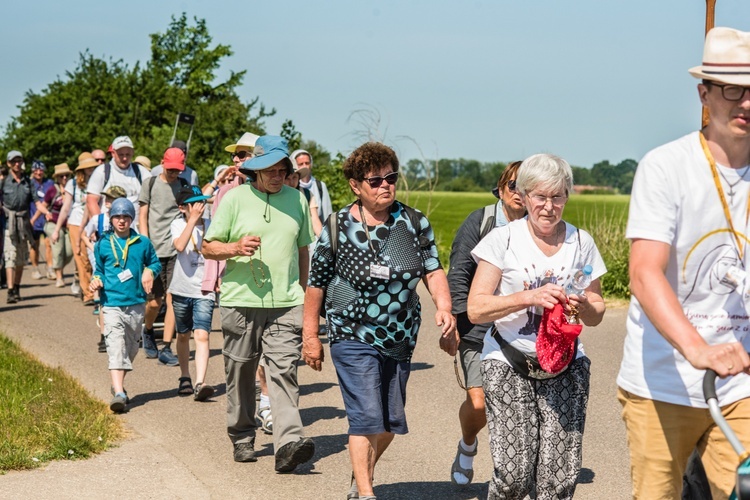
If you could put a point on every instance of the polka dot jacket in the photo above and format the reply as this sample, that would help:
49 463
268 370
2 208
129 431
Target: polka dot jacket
383 313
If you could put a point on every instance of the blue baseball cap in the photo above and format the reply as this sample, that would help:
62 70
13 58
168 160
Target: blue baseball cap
269 150
190 194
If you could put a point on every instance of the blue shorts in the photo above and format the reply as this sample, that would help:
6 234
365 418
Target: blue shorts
192 314
373 387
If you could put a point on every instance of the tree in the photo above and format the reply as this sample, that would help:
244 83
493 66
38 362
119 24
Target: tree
99 100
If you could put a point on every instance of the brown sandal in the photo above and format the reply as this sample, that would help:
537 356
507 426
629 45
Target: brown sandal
186 387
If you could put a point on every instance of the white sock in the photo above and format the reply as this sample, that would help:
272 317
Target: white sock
265 401
466 462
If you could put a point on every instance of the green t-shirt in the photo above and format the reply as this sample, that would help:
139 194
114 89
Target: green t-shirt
270 278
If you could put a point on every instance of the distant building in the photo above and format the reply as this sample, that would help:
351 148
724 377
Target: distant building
581 189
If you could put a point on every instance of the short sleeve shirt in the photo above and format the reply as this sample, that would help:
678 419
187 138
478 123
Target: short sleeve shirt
79 202
161 199
18 196
381 312
54 200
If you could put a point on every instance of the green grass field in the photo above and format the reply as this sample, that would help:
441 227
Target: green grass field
604 216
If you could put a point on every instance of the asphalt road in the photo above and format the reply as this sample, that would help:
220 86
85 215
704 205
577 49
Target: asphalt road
178 448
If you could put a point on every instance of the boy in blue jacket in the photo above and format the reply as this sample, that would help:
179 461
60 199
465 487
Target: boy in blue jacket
126 264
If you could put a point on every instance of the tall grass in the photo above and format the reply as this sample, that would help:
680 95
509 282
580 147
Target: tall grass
608 231
46 415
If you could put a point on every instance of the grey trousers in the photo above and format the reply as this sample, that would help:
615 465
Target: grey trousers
275 334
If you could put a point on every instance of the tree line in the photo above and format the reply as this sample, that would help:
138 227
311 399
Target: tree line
100 99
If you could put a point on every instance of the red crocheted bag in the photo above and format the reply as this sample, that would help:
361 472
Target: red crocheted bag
556 341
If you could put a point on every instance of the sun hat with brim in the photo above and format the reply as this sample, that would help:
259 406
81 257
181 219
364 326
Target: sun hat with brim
190 194
174 159
269 150
248 140
62 169
86 160
143 161
726 57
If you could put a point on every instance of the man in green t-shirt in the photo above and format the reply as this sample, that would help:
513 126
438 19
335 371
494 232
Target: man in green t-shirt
262 230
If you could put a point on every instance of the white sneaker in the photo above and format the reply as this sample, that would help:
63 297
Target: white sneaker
75 288
36 275
51 274
59 283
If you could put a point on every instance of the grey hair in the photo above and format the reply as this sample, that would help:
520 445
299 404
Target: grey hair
544 171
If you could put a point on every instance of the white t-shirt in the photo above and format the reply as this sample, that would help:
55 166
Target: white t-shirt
675 201
512 249
126 179
190 265
79 202
92 226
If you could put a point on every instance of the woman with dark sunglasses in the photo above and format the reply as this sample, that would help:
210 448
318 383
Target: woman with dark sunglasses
368 277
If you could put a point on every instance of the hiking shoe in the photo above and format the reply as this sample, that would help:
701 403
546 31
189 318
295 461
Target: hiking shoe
149 343
36 275
17 292
117 405
51 274
266 419
59 283
291 455
203 392
102 344
12 299
244 452
167 357
112 391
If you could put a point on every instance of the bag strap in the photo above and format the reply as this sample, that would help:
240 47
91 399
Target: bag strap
108 172
488 220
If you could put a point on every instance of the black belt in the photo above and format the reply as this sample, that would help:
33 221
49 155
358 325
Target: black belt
526 366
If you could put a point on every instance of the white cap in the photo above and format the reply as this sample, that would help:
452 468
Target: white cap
122 142
218 170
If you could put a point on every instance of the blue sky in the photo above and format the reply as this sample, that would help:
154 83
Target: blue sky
491 80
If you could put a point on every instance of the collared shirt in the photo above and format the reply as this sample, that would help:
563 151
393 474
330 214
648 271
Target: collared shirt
18 196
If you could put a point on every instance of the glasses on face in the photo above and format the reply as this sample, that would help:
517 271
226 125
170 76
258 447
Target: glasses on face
377 180
541 200
731 92
100 160
512 185
242 154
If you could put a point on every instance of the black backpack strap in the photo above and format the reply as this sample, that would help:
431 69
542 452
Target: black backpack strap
320 187
108 172
333 232
415 222
488 220
150 186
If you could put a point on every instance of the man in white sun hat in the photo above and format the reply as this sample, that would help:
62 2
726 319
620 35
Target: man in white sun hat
689 276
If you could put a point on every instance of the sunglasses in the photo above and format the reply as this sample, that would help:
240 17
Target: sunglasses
512 185
242 154
376 181
100 160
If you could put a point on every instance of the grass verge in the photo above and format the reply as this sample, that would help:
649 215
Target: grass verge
46 415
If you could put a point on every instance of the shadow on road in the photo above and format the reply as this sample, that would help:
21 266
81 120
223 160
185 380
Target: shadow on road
15 308
312 415
306 390
421 366
432 490
586 476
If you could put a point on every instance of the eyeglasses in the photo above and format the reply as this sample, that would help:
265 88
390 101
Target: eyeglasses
100 160
541 200
377 180
512 185
731 92
242 154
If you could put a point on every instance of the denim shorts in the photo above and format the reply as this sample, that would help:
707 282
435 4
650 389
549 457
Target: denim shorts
373 387
192 314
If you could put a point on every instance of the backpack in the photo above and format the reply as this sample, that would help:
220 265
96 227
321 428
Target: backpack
152 179
488 220
333 229
108 172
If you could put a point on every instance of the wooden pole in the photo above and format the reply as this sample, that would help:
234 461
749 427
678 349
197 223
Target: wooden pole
710 17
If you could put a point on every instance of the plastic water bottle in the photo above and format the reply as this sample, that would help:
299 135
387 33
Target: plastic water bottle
580 282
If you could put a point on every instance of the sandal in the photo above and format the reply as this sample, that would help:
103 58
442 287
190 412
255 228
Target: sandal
203 392
186 387
469 473
266 419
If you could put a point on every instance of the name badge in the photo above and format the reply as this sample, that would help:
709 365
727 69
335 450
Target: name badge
125 276
735 278
380 272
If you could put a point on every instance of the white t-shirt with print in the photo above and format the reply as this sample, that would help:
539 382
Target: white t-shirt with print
675 201
126 179
512 250
79 202
190 265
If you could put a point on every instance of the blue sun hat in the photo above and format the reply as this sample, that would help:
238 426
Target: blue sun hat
269 150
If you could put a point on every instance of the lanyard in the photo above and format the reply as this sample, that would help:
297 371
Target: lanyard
195 244
112 240
367 232
720 190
